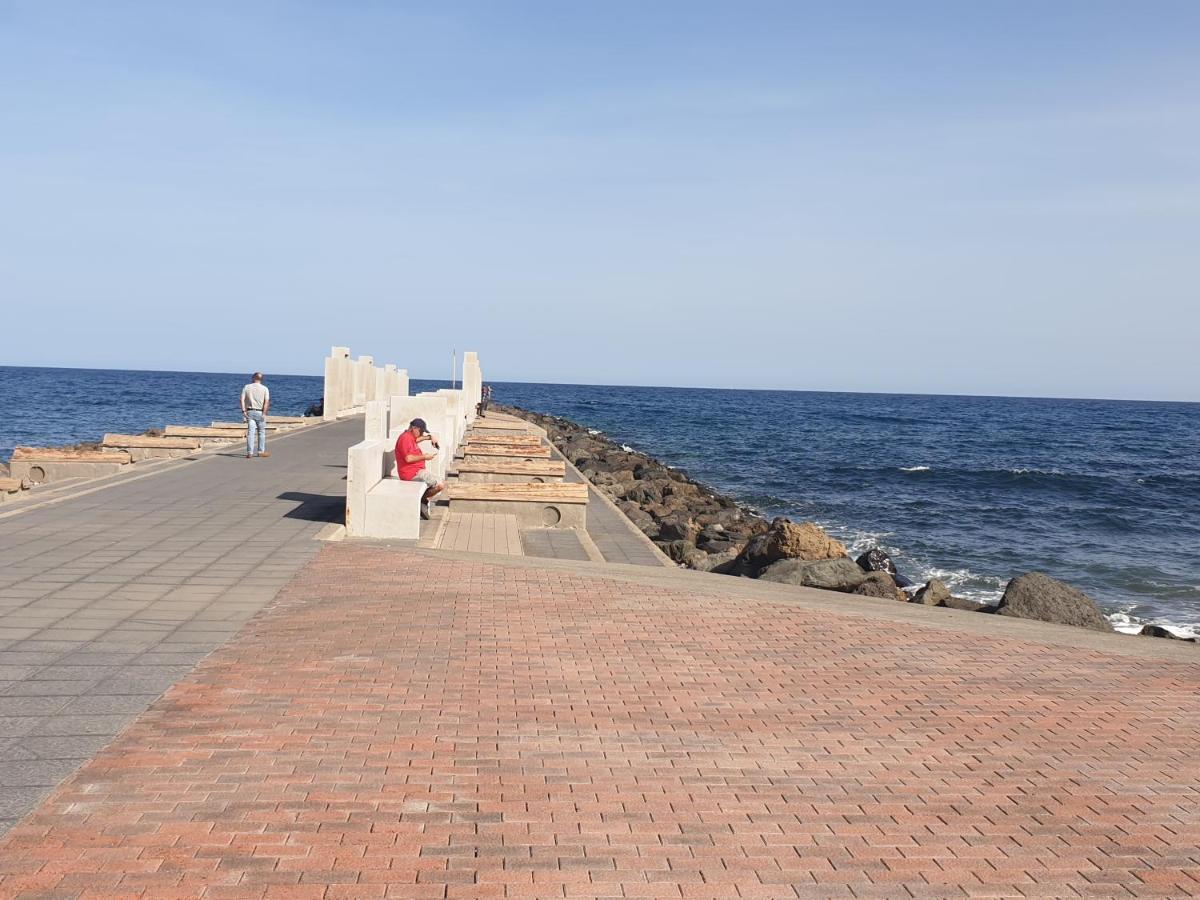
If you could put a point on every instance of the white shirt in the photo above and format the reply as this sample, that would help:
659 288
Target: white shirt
255 395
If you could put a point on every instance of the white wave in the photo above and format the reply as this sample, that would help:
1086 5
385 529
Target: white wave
914 468
595 431
627 448
1020 471
1125 622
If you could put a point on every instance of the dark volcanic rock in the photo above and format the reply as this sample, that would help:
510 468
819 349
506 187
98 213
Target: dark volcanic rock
1038 596
1159 632
878 584
875 560
935 593
829 574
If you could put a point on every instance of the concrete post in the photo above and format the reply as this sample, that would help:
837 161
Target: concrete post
334 378
375 428
434 409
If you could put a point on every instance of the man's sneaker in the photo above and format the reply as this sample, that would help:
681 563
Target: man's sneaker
249 456
264 454
424 510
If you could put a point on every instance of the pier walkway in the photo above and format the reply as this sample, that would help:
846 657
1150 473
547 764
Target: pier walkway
366 720
113 591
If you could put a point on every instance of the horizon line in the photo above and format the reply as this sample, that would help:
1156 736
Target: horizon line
672 387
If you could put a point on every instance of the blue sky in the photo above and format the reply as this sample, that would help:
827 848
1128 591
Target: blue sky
929 197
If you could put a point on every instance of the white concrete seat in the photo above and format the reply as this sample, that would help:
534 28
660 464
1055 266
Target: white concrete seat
379 505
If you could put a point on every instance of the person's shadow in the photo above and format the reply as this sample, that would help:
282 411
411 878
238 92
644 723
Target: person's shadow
316 507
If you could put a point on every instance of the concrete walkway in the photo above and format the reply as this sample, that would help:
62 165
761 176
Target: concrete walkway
109 597
424 724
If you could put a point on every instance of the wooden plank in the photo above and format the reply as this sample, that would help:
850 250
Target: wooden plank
196 431
520 452
533 492
499 425
504 439
9 485
144 441
241 426
58 454
504 465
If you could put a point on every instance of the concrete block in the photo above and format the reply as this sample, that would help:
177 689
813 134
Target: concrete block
45 471
529 515
394 509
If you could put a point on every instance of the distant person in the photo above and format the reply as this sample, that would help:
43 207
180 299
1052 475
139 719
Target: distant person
256 403
485 397
410 461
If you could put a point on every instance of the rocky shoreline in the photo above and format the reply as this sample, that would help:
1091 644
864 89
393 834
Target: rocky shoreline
702 529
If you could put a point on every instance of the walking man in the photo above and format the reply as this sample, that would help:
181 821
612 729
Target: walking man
410 461
256 403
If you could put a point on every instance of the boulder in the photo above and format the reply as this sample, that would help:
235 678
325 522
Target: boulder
1159 632
827 574
875 560
787 540
678 528
935 593
1037 596
879 584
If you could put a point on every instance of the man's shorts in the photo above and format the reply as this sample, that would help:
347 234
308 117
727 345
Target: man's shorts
426 476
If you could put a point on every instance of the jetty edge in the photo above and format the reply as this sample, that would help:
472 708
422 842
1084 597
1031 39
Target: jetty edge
700 528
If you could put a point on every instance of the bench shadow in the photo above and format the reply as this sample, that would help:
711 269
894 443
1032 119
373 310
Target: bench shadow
315 507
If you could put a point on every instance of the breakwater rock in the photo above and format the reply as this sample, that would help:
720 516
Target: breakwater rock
701 529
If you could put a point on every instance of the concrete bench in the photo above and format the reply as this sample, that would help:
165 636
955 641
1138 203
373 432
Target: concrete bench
534 504
509 450
377 505
505 470
141 446
10 487
41 465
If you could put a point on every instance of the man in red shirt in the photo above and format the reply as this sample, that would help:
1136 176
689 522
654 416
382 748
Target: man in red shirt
410 461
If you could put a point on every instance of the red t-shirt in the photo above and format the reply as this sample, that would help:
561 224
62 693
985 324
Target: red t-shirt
406 447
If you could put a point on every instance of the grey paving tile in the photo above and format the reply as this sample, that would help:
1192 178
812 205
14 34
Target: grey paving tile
30 706
81 724
50 688
77 747
36 773
15 800
109 704
15 726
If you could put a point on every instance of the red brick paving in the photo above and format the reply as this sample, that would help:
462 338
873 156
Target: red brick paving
404 726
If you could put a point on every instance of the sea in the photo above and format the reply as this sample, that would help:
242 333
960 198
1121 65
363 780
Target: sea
1103 494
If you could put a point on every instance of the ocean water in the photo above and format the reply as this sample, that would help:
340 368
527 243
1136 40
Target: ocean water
1102 494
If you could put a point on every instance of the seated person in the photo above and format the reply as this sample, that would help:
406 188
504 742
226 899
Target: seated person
410 461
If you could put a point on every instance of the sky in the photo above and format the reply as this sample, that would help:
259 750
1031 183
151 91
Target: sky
969 198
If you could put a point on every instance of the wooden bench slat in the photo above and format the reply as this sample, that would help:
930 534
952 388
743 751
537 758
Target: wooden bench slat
503 439
59 454
520 452
504 465
10 485
533 492
147 442
489 425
